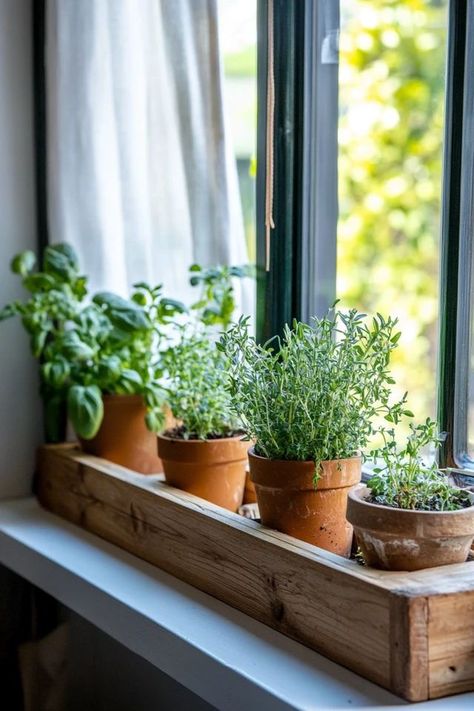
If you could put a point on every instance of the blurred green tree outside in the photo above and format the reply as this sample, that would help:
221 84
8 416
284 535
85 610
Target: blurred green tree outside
391 118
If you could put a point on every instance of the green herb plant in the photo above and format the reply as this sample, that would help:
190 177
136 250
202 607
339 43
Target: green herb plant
89 348
403 480
196 370
197 393
315 393
216 306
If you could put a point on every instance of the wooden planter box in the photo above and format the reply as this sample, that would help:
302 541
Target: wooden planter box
412 633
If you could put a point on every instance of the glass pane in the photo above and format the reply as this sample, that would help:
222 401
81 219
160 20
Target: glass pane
391 116
238 42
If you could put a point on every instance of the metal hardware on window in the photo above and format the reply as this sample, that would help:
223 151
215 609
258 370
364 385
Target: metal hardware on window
330 48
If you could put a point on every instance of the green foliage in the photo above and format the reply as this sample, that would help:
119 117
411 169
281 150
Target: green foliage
316 395
242 63
196 370
405 481
89 349
85 409
23 263
197 393
118 346
216 305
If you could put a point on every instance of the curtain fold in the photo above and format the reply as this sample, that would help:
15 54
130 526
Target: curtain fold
141 176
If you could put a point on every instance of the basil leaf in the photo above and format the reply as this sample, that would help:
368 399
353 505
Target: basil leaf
130 382
74 348
58 264
56 372
125 315
85 409
23 263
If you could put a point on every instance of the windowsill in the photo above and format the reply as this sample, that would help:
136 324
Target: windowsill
215 651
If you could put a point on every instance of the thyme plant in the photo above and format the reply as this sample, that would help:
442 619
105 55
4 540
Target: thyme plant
314 394
403 480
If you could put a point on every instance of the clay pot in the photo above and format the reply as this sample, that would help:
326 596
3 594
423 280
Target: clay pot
398 539
289 502
250 495
123 437
213 469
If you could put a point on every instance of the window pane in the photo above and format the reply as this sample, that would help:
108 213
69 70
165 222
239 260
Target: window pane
238 43
391 115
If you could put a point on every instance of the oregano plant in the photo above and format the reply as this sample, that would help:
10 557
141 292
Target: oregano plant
315 393
196 391
196 370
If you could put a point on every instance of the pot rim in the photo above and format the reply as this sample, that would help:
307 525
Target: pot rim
252 453
356 495
123 396
235 438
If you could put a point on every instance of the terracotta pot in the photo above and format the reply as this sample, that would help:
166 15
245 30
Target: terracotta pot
289 502
213 469
250 495
123 437
398 539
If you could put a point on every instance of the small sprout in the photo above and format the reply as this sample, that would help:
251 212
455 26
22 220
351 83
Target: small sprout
405 481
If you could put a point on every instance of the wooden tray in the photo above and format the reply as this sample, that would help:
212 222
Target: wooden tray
412 633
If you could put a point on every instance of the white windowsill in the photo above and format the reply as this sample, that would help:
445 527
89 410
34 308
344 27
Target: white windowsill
230 660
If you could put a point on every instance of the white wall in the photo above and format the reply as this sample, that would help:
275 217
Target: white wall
20 411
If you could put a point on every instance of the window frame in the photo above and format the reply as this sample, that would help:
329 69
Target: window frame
464 337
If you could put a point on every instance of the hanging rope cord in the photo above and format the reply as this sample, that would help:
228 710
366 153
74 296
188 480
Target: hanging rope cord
269 168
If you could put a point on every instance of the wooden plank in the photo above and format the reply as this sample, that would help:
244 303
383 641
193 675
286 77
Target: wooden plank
82 474
451 644
409 646
412 633
300 594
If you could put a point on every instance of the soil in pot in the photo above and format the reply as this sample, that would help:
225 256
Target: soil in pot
289 502
123 437
213 469
400 539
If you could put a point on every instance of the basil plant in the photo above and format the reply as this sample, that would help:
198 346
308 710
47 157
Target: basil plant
90 347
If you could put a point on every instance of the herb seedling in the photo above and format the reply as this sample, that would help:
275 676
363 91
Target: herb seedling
405 481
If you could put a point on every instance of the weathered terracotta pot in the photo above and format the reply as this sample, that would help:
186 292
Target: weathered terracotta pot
123 437
250 495
288 501
398 539
213 469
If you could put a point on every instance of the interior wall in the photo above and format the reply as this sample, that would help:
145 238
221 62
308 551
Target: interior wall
20 411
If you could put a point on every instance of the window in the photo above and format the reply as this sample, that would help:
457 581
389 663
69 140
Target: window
238 40
367 145
391 121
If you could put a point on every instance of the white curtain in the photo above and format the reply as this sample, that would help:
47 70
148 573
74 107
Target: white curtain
141 176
